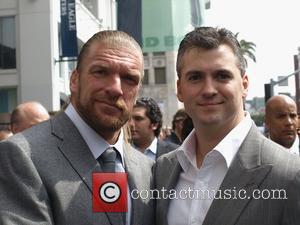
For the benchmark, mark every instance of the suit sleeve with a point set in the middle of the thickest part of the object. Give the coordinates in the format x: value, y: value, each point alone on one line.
x: 291, y: 214
x: 23, y: 197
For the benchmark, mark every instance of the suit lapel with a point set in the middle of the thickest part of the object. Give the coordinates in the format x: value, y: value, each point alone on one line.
x: 173, y: 170
x: 245, y: 173
x: 135, y: 181
x: 78, y: 154
x: 159, y: 148
x: 75, y: 149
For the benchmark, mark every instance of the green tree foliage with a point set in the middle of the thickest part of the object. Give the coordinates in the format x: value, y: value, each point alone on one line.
x: 258, y: 119
x: 248, y: 49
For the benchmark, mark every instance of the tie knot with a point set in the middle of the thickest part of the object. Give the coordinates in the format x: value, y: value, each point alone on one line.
x: 108, y: 160
x: 109, y: 155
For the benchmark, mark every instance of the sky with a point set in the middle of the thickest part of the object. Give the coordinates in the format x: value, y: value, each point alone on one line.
x: 273, y: 25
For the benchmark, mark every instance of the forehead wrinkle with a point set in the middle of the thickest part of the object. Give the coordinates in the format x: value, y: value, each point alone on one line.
x: 114, y: 63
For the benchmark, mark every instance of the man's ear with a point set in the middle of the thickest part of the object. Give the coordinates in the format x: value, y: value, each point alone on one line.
x: 245, y: 83
x: 179, y: 93
x: 266, y: 121
x: 154, y: 126
x: 13, y: 128
x: 74, y: 81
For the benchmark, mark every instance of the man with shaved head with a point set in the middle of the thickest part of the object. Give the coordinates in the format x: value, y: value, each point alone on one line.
x: 281, y: 121
x: 26, y: 115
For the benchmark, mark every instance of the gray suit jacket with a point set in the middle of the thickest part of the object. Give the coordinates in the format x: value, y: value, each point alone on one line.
x: 46, y: 178
x: 259, y: 164
x: 164, y: 147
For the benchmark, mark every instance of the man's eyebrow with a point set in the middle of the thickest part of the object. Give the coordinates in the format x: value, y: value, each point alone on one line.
x: 199, y: 72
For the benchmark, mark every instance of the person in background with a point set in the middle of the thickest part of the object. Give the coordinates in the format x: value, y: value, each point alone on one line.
x: 225, y: 154
x: 26, y: 115
x: 281, y: 121
x: 164, y: 133
x: 46, y: 171
x: 187, y: 127
x: 298, y: 126
x: 177, y: 123
x: 145, y: 126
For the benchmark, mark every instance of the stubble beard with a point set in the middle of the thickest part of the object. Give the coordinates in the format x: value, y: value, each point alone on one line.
x: 104, y: 123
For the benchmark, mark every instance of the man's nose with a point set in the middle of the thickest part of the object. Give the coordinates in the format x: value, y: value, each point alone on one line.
x: 115, y: 85
x: 289, y: 120
x: 131, y: 123
x: 208, y: 87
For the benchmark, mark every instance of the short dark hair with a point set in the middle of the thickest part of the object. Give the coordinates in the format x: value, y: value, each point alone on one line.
x: 114, y: 37
x: 152, y: 112
x: 210, y: 38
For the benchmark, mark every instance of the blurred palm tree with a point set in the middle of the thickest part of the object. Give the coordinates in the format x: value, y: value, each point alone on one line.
x: 248, y: 49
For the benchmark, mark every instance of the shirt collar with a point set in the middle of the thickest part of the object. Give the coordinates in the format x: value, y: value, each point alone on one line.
x: 95, y: 142
x: 295, y: 147
x: 153, y: 146
x: 186, y: 152
x: 227, y: 147
x: 231, y: 143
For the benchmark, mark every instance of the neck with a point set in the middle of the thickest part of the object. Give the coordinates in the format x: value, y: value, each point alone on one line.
x: 110, y: 137
x: 209, y: 136
x: 143, y: 145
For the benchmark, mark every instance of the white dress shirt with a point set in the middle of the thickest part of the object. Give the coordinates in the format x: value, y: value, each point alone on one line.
x: 151, y: 150
x: 207, y: 178
x: 98, y: 145
x: 295, y: 147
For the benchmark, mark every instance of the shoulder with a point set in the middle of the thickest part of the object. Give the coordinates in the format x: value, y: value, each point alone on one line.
x: 172, y: 138
x: 167, y: 159
x: 284, y: 164
x: 166, y: 144
x: 164, y: 147
x: 24, y: 140
x: 165, y: 166
x: 137, y: 157
x: 38, y: 142
x: 272, y: 153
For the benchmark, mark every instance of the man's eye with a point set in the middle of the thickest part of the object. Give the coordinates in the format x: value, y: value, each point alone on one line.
x: 193, y: 77
x: 138, y: 118
x: 98, y: 72
x: 223, y: 76
x: 131, y: 79
x: 281, y: 116
x: 293, y: 116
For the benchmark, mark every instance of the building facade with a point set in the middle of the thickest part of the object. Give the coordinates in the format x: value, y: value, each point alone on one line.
x: 31, y: 66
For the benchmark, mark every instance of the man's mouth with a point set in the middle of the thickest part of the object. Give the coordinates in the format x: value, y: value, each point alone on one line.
x: 210, y: 103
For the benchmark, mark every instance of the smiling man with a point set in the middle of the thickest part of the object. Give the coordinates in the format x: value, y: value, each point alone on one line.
x: 46, y: 171
x: 225, y: 153
x: 281, y: 122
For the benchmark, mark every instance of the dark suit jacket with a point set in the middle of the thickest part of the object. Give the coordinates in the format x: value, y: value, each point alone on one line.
x: 46, y: 178
x: 172, y: 138
x: 164, y: 147
x: 259, y: 164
